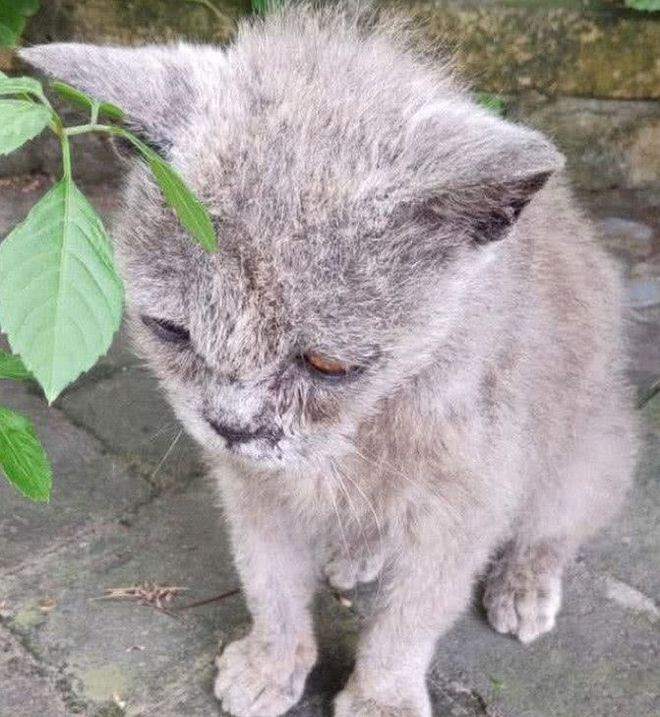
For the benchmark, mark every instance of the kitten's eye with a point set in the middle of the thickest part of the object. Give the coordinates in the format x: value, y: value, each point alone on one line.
x: 326, y: 366
x: 167, y: 330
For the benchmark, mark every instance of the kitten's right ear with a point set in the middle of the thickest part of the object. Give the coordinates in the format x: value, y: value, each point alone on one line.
x: 478, y: 170
x: 155, y: 84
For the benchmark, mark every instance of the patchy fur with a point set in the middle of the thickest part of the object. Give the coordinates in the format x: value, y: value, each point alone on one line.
x: 358, y: 192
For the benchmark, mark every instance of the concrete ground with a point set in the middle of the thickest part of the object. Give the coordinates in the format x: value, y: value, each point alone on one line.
x: 130, y: 505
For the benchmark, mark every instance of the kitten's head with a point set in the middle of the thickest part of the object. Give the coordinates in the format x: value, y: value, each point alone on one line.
x: 356, y: 193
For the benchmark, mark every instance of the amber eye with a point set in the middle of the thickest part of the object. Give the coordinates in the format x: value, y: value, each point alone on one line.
x: 326, y: 366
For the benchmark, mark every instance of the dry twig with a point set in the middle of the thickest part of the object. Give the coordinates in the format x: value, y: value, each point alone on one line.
x: 148, y: 594
x: 160, y: 597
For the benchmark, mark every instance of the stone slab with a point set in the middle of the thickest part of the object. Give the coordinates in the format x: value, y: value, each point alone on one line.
x: 26, y: 691
x: 114, y: 652
x: 88, y: 485
x: 127, y: 411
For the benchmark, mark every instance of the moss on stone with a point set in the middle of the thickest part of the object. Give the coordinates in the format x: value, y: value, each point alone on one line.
x: 134, y: 21
x: 555, y: 50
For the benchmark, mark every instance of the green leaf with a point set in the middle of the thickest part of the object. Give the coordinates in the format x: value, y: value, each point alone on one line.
x: 645, y: 5
x: 13, y: 14
x: 11, y: 366
x: 22, y: 85
x: 111, y: 111
x: 20, y: 121
x: 73, y: 95
x: 60, y: 295
x: 191, y: 212
x: 76, y: 97
x: 22, y: 456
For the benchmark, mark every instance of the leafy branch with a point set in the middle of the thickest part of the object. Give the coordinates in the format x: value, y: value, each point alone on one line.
x: 60, y: 294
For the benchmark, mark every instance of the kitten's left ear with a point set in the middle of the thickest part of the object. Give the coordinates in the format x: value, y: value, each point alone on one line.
x: 484, y: 172
x: 156, y: 84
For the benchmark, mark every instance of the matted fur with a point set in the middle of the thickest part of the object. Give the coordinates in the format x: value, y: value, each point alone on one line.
x: 369, y: 210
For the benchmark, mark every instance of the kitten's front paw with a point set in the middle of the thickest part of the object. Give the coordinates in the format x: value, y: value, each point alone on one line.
x: 352, y: 702
x: 255, y: 681
x: 344, y: 574
x: 522, y: 602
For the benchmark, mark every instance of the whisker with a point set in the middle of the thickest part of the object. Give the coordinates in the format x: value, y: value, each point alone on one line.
x: 356, y: 515
x: 341, y: 527
x: 377, y: 523
x: 166, y: 455
x: 170, y: 425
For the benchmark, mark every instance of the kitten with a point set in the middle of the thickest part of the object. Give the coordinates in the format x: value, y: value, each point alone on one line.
x: 405, y: 359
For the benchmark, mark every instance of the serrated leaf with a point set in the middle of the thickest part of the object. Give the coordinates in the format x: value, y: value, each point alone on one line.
x: 191, y: 212
x: 22, y: 457
x: 60, y: 294
x: 11, y: 366
x: 76, y: 97
x: 20, y: 121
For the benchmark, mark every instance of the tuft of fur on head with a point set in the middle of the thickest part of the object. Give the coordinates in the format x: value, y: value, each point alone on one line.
x: 357, y: 191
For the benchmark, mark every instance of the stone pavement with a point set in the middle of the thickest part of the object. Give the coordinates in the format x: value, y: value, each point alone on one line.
x: 130, y: 504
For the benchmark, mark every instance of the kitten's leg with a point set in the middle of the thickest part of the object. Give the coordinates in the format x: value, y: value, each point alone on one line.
x: 421, y: 595
x: 263, y: 675
x: 523, y: 588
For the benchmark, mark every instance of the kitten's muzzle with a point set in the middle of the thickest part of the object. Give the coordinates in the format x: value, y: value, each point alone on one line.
x: 234, y: 435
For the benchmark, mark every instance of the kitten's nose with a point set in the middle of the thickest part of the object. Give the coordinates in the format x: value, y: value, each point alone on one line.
x: 231, y: 434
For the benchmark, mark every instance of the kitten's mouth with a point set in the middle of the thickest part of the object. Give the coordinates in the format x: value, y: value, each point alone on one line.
x: 237, y: 436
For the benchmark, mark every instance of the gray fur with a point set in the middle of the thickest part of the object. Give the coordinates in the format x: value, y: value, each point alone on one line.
x: 366, y: 208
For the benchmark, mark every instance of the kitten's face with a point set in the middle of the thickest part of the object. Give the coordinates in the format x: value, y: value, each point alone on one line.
x: 277, y: 346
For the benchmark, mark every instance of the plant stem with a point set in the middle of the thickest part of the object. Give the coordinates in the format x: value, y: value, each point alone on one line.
x: 93, y: 127
x: 84, y: 128
x: 111, y: 129
x: 95, y: 113
x: 66, y: 155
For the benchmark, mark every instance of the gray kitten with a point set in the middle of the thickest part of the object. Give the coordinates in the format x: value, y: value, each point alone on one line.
x: 405, y: 361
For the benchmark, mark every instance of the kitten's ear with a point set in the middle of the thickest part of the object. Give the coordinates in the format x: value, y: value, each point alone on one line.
x: 487, y: 172
x: 487, y: 211
x: 155, y: 85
